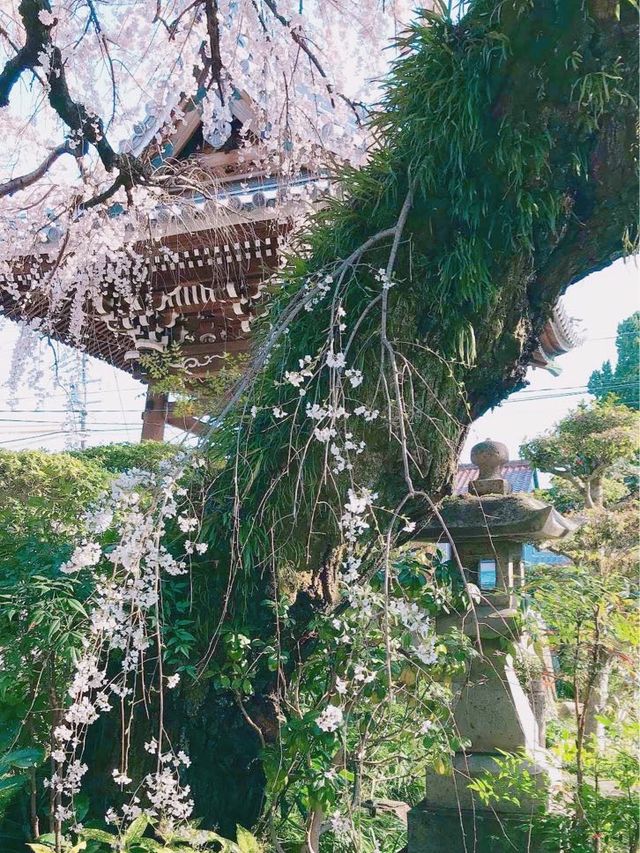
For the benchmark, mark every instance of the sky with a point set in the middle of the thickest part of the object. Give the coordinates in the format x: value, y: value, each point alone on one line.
x: 115, y: 401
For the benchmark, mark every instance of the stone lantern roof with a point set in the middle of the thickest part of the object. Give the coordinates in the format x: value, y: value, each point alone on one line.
x: 490, y: 511
x: 519, y: 518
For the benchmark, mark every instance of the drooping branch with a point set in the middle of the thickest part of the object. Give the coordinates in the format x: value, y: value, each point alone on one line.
x: 104, y: 46
x: 24, y: 181
x: 100, y: 198
x: 303, y: 44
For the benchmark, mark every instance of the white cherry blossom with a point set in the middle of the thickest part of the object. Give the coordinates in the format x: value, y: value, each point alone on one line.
x: 330, y: 719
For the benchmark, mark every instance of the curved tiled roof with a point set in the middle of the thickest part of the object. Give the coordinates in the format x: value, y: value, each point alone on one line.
x: 226, y: 246
x: 560, y: 334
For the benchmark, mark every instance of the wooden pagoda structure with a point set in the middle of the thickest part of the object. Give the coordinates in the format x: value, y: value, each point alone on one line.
x: 206, y: 272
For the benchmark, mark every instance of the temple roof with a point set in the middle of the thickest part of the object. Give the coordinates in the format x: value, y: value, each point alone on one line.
x: 206, y: 268
x: 560, y: 334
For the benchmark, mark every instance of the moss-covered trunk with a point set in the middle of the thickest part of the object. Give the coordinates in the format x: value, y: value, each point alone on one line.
x: 510, y: 136
x: 505, y: 172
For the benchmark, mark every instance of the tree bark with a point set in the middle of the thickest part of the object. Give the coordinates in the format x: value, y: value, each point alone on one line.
x: 598, y: 700
x: 445, y: 394
x: 271, y: 494
x: 596, y: 492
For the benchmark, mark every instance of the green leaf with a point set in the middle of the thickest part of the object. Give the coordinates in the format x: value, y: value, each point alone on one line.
x: 247, y: 842
x: 30, y: 756
x: 100, y: 835
x: 81, y: 805
x: 137, y: 829
x: 74, y: 604
x: 40, y: 848
x: 11, y: 783
x: 152, y: 845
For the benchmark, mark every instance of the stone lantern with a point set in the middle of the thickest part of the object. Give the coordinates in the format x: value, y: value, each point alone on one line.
x: 488, y: 528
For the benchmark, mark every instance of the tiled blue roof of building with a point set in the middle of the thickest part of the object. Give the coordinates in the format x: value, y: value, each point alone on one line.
x: 517, y: 472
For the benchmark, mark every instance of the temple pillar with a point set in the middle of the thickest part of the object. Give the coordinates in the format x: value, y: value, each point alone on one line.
x: 154, y: 417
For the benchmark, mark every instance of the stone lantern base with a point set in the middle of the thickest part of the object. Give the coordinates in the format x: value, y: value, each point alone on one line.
x: 493, y: 712
x: 469, y: 831
x: 435, y: 826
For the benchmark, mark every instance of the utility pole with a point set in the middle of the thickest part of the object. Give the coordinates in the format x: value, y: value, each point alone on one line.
x: 82, y: 414
x: 78, y: 399
x: 154, y: 417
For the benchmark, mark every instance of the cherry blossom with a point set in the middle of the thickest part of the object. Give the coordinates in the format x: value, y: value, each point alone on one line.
x: 330, y: 719
x: 288, y: 84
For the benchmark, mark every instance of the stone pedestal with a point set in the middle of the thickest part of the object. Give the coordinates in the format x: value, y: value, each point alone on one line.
x: 493, y: 711
x: 495, y: 715
x: 446, y: 830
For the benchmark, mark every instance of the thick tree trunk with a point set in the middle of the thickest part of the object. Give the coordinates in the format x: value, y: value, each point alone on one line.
x: 441, y: 394
x: 596, y: 492
x: 262, y: 515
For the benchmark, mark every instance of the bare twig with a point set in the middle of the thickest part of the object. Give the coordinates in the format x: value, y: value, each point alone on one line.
x: 248, y: 719
x: 303, y: 44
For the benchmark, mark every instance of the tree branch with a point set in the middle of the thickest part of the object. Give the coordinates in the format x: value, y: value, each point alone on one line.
x: 24, y: 181
x: 213, y: 31
x: 38, y: 35
x: 103, y: 196
x: 86, y: 127
x: 75, y: 115
x: 93, y: 16
x: 303, y: 44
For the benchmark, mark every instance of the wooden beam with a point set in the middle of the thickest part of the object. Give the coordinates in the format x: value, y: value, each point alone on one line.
x: 188, y: 423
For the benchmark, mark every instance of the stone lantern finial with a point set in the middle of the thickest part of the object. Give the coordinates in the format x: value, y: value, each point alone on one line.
x: 489, y: 456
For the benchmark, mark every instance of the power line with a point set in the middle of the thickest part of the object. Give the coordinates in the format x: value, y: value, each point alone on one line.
x: 533, y: 399
x: 535, y: 394
x: 57, y: 395
x: 66, y: 411
x: 51, y: 433
x: 34, y: 435
x: 34, y: 419
x: 573, y: 387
